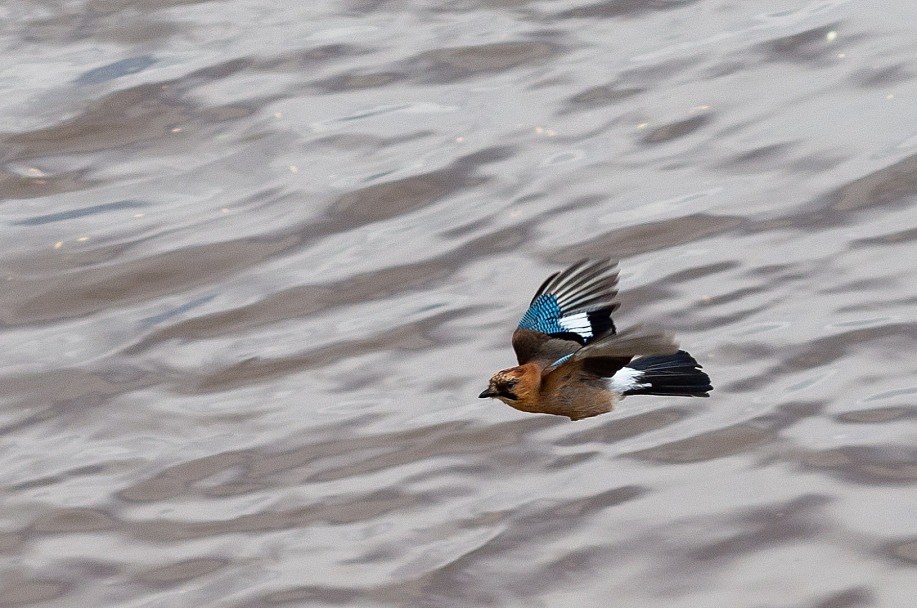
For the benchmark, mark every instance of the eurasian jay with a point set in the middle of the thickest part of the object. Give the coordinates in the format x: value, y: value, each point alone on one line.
x: 573, y: 363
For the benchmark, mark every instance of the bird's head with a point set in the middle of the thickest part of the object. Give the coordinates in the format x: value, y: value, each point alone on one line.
x: 508, y: 385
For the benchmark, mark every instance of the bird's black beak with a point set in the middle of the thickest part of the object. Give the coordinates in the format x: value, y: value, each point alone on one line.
x: 487, y: 393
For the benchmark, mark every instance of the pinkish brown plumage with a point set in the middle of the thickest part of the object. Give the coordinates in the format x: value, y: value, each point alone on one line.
x: 572, y: 361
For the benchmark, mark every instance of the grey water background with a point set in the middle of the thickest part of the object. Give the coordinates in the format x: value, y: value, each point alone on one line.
x: 260, y: 257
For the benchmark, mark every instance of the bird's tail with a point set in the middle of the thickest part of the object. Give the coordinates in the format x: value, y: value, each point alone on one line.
x: 676, y: 374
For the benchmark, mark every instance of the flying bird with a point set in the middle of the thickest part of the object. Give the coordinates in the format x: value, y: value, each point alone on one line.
x: 572, y: 361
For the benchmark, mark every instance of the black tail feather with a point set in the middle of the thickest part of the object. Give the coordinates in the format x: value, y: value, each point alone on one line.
x: 677, y: 374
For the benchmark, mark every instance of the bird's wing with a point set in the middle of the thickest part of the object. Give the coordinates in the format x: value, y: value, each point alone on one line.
x: 606, y: 356
x: 573, y: 305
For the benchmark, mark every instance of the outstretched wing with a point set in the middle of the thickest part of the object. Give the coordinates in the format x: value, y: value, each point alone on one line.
x: 573, y: 305
x: 605, y: 357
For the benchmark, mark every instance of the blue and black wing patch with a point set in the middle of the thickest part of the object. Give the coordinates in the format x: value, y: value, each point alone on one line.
x: 576, y: 303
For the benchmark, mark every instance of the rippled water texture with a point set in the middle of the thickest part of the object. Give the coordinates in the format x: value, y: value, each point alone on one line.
x: 260, y: 257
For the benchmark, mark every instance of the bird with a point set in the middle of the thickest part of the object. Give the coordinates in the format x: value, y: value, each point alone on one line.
x: 574, y: 363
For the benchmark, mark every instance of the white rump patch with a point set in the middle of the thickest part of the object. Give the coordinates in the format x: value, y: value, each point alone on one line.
x: 578, y: 324
x: 627, y: 379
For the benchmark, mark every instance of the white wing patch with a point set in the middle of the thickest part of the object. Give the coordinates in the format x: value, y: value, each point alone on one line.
x: 578, y: 324
x: 627, y: 379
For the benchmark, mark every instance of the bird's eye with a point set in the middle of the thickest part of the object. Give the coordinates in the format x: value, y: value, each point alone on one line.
x: 506, y: 387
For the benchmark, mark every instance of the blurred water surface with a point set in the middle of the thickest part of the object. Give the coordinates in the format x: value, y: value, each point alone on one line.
x: 260, y: 257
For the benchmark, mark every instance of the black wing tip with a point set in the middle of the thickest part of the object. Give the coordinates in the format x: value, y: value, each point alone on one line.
x: 592, y: 267
x: 587, y: 287
x: 610, y: 261
x: 544, y: 287
x: 583, y: 286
